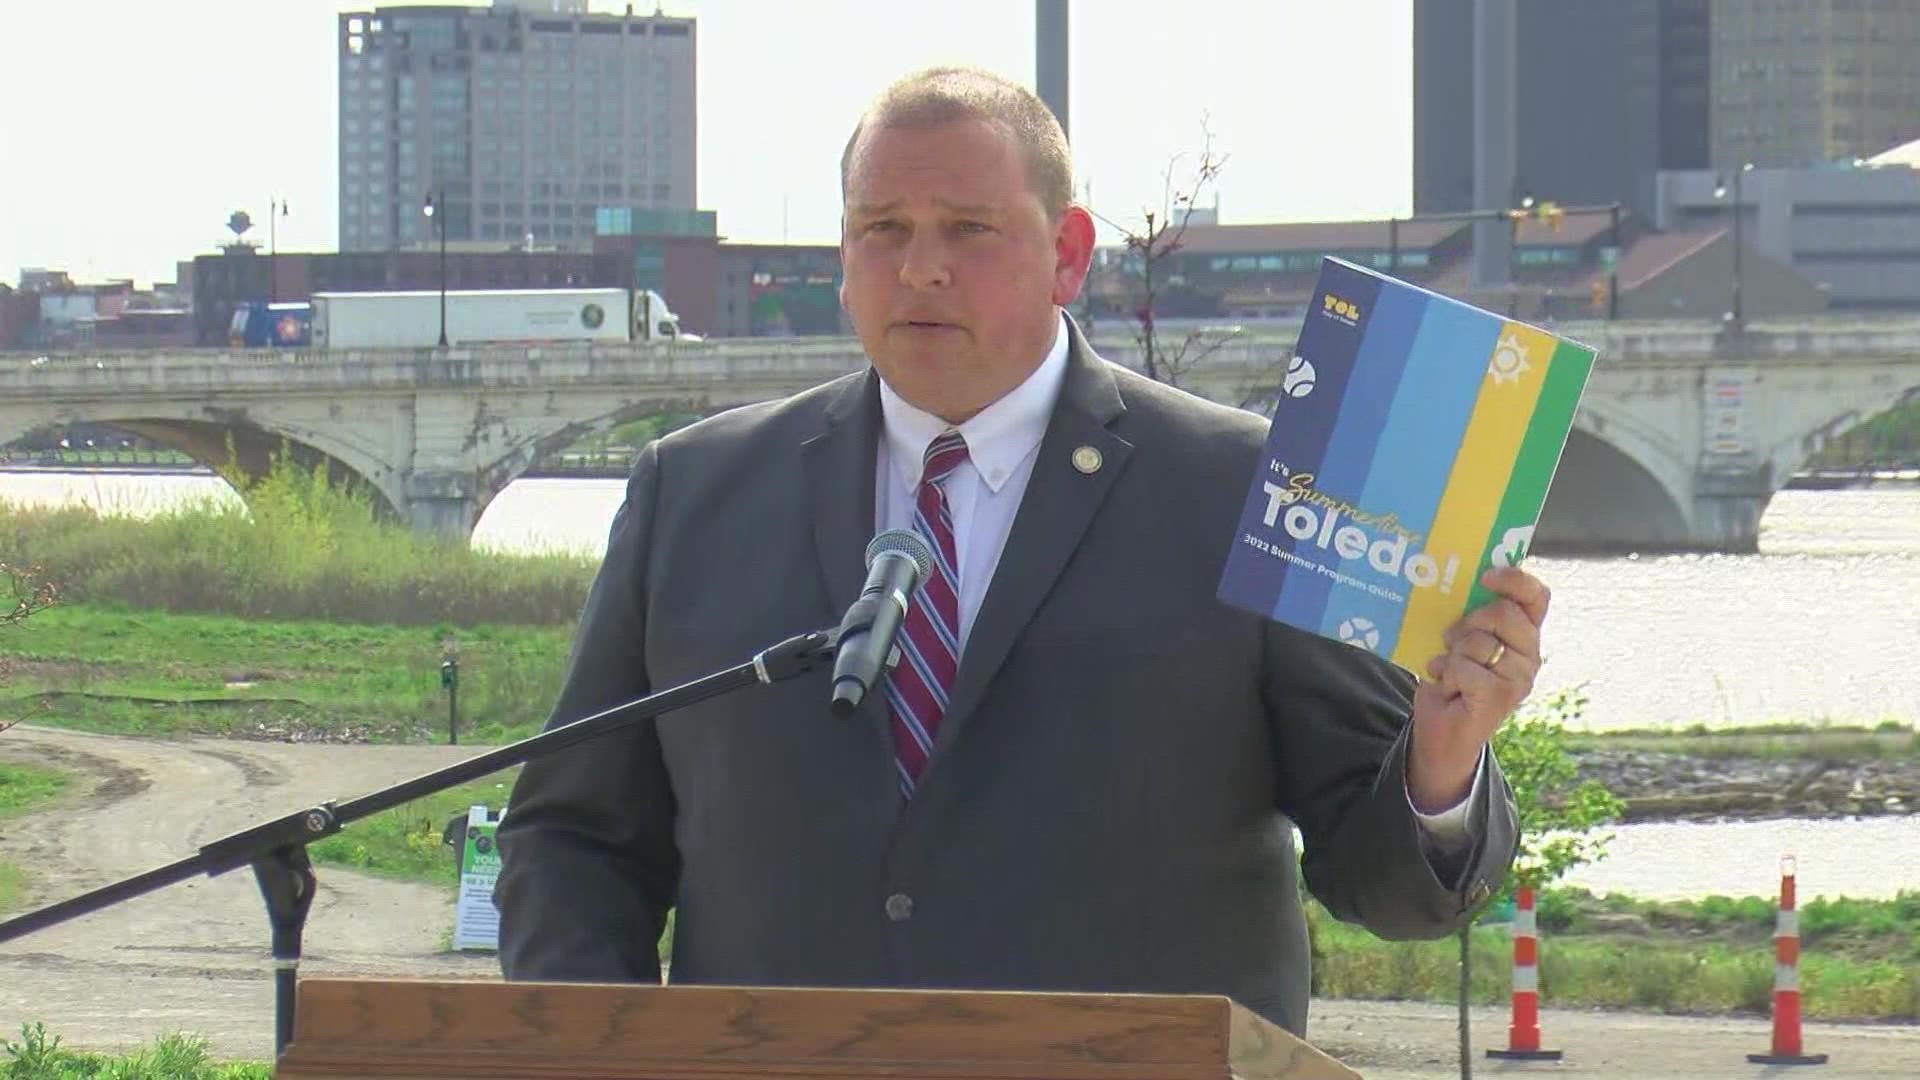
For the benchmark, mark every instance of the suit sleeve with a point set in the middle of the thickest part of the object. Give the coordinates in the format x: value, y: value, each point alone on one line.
x: 588, y: 864
x: 1341, y: 718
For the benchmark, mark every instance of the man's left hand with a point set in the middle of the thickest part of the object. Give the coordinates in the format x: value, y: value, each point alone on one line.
x: 1493, y: 654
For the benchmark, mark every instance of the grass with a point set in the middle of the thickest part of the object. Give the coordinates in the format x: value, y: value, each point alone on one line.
x: 23, y: 787
x: 39, y: 1056
x: 1871, y: 926
x: 404, y: 843
x: 301, y: 547
x: 119, y: 671
x: 1661, y: 976
x: 1861, y: 958
x: 303, y: 613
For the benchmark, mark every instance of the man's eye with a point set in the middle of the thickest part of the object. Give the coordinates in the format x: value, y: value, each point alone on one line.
x: 972, y: 226
x: 882, y: 226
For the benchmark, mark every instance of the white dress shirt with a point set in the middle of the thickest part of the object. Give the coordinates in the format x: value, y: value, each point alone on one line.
x: 984, y: 493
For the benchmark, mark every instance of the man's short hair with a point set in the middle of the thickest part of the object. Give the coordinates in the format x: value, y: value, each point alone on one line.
x: 945, y: 95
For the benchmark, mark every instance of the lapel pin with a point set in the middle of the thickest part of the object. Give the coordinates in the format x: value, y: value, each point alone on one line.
x: 1087, y: 460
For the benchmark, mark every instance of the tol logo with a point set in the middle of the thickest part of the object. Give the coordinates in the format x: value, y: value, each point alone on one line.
x: 1345, y: 310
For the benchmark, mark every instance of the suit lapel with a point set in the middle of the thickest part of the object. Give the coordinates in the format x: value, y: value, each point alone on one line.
x: 1060, y: 502
x: 838, y: 464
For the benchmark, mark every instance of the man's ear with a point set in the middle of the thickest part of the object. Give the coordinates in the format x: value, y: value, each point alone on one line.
x: 1073, y: 239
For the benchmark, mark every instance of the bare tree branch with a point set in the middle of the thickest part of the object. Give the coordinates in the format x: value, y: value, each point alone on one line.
x: 1193, y: 351
x: 1161, y: 234
x: 1259, y: 388
x: 31, y: 593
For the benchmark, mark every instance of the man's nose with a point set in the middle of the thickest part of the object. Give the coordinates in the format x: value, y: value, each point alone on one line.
x: 924, y: 263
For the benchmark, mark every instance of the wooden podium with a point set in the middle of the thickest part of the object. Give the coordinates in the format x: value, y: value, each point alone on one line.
x: 359, y: 1028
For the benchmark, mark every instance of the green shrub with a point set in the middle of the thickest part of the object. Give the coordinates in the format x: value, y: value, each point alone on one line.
x: 302, y: 547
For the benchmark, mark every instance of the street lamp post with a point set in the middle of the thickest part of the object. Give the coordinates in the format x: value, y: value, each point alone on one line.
x: 276, y: 209
x: 1739, y: 211
x: 1613, y: 265
x: 437, y: 201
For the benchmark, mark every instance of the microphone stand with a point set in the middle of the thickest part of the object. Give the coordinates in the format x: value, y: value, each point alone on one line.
x: 277, y: 849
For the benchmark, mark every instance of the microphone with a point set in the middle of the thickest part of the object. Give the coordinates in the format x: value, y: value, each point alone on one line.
x: 897, y: 561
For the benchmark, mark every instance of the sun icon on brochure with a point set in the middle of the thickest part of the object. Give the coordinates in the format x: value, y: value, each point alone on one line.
x: 1509, y: 360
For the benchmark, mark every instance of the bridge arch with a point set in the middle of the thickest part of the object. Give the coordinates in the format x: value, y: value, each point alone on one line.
x: 1617, y: 488
x: 540, y: 445
x: 249, y: 446
x: 1791, y: 453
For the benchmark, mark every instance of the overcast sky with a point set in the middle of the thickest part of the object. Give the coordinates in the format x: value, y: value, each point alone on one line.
x: 133, y: 128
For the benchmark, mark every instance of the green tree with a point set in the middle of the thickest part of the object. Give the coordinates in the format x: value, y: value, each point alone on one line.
x: 1560, y: 821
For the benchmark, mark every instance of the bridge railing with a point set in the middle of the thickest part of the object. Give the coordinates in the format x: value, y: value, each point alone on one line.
x: 796, y: 362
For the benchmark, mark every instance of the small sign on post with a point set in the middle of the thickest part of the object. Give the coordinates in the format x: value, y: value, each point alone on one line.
x: 476, y: 925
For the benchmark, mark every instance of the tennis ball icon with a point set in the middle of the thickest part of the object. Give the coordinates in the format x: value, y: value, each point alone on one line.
x: 1299, y: 380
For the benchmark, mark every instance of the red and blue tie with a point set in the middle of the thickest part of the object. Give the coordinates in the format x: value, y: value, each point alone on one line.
x: 919, y: 685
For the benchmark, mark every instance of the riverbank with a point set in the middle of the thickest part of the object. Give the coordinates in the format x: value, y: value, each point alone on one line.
x: 1757, y: 773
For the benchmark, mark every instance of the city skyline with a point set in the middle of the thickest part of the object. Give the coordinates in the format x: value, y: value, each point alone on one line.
x: 149, y: 149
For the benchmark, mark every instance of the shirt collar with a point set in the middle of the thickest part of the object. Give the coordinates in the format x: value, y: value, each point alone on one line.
x: 998, y: 437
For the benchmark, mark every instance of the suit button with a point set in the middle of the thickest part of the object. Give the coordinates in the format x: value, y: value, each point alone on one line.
x: 899, y: 907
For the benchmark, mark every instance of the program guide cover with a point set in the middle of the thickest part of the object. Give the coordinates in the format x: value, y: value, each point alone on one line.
x: 1411, y: 449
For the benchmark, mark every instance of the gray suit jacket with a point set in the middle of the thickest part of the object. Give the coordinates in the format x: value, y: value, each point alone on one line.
x: 1109, y: 800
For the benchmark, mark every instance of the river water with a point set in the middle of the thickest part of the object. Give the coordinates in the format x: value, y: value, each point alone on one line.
x: 1822, y: 625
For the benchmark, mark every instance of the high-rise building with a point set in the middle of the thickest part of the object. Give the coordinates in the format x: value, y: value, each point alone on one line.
x: 1799, y: 82
x: 523, y: 121
x: 1605, y: 95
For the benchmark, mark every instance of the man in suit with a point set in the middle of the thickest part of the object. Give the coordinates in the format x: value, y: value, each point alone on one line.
x: 1083, y: 773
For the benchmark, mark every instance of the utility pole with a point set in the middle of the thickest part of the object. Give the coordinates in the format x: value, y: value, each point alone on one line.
x: 1050, y: 56
x: 1494, y: 127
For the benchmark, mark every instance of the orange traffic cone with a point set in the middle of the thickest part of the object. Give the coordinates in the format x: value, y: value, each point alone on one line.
x: 1786, y: 981
x: 1523, y: 1036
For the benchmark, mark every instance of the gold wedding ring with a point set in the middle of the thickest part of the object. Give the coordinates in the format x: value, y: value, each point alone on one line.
x: 1499, y: 650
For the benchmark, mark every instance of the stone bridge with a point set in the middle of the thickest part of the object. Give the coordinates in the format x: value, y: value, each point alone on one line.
x: 1685, y: 432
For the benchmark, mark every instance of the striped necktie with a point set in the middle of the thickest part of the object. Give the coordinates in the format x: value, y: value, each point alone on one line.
x: 919, y: 685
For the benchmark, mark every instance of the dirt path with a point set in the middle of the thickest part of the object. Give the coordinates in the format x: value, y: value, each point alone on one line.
x: 193, y: 957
